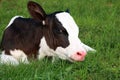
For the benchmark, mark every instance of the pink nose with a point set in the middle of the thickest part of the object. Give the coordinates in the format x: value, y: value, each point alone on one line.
x: 79, y: 56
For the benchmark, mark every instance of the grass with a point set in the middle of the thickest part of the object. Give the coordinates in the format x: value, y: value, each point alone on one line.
x: 99, y: 24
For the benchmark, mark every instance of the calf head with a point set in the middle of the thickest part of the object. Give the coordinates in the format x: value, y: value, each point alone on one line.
x: 61, y: 34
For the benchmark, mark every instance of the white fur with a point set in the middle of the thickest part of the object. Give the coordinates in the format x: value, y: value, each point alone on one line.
x: 12, y: 20
x: 19, y: 55
x: 8, y: 59
x: 45, y: 50
x: 87, y: 48
x: 15, y: 58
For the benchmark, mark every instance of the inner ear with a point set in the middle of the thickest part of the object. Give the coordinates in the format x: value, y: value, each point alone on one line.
x: 36, y: 11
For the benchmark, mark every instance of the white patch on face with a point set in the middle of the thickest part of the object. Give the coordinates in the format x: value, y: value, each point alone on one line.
x: 75, y: 44
x: 19, y: 55
x: 8, y: 59
x: 12, y: 20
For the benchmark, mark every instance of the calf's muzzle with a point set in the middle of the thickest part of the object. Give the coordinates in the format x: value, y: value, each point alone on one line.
x: 78, y: 56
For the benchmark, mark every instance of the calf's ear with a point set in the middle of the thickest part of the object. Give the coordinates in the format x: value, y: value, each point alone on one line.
x: 36, y: 11
x: 67, y: 10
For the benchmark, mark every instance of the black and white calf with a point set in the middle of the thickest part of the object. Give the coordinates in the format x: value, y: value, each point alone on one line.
x: 42, y: 35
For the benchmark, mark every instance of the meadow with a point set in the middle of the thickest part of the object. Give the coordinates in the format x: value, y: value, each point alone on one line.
x: 99, y: 25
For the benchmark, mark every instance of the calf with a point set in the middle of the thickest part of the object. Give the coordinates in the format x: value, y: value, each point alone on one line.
x: 42, y: 35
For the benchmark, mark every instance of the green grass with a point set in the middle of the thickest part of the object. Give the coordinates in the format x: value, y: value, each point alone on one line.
x: 99, y: 24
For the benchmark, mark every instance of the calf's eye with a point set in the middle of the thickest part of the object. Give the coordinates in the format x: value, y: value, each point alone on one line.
x: 60, y: 31
x: 63, y: 32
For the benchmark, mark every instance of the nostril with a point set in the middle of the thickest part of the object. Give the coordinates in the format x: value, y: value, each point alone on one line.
x: 81, y: 53
x: 78, y: 53
x: 78, y: 56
